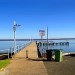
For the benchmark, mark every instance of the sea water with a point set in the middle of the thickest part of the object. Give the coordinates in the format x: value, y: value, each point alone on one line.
x: 6, y: 45
x: 64, y: 48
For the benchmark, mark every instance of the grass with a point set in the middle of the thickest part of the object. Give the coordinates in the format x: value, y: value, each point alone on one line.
x: 4, y: 63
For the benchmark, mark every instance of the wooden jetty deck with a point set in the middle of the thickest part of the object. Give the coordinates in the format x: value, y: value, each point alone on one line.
x: 31, y: 49
x: 20, y: 65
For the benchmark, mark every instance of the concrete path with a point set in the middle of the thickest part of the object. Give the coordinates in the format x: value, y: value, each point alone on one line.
x: 21, y: 66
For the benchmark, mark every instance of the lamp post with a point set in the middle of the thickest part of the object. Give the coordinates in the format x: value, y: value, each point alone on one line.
x: 14, y: 29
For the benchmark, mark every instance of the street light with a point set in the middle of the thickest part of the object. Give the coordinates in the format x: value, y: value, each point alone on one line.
x: 14, y: 29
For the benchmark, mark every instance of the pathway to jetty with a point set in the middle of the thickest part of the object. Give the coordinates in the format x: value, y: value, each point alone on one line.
x: 21, y: 66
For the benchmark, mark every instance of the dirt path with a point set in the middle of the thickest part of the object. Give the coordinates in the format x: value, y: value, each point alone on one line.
x: 21, y: 66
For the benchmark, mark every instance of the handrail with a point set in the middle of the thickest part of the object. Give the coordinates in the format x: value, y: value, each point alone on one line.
x: 10, y: 51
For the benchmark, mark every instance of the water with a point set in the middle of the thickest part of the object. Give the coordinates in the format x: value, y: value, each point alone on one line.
x: 5, y: 45
x: 71, y: 48
x: 65, y: 48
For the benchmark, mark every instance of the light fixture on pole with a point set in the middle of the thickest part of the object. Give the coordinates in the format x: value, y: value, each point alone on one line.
x: 14, y: 29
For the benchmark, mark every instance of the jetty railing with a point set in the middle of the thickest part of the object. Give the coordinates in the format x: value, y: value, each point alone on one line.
x: 10, y: 52
x: 53, y: 43
x: 42, y: 47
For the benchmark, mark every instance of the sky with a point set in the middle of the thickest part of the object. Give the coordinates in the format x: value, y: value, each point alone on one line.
x: 35, y: 15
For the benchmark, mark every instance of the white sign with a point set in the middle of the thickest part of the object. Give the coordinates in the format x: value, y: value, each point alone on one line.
x: 42, y: 32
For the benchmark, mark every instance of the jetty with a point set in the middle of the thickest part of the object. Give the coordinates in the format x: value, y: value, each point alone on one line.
x: 20, y: 65
x: 53, y: 43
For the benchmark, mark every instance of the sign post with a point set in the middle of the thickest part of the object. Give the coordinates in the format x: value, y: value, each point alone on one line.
x: 42, y: 33
x: 47, y: 38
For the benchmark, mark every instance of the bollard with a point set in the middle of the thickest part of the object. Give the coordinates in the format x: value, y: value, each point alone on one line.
x: 26, y: 53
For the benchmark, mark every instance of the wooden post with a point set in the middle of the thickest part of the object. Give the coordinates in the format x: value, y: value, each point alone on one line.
x: 26, y: 53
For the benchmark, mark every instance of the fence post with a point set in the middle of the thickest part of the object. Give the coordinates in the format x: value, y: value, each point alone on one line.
x: 11, y: 52
x: 17, y: 48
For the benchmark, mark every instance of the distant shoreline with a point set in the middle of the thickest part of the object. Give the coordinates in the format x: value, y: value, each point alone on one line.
x: 37, y: 39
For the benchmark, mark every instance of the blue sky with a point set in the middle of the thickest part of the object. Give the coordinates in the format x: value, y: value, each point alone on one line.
x: 35, y: 15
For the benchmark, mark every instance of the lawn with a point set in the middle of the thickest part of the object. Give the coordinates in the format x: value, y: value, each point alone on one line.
x: 4, y: 63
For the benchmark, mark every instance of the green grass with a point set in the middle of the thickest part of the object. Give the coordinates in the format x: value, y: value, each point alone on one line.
x: 4, y: 63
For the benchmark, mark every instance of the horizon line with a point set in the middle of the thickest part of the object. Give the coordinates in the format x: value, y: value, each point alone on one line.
x: 38, y: 39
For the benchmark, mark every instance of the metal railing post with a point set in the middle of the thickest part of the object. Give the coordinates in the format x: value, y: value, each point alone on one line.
x: 11, y: 52
x: 17, y: 48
